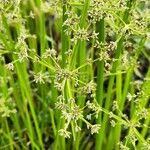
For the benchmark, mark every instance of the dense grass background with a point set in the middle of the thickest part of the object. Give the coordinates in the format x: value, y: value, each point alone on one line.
x: 74, y: 74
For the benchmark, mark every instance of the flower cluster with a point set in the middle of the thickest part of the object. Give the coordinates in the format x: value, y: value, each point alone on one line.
x: 52, y: 7
x: 94, y: 107
x: 65, y: 133
x: 142, y: 113
x: 21, y: 45
x: 10, y: 66
x: 130, y: 97
x: 49, y: 53
x: 81, y: 34
x: 7, y: 107
x: 71, y: 112
x: 71, y: 22
x: 106, y: 54
x: 123, y: 147
x: 132, y: 139
x: 94, y: 128
x: 96, y: 13
x: 89, y: 88
x: 41, y: 77
x: 62, y: 75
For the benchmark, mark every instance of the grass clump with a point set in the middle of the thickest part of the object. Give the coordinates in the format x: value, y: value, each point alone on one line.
x: 74, y: 74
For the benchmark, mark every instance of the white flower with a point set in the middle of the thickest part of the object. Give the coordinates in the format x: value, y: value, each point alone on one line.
x: 65, y: 133
x: 88, y: 117
x: 95, y: 128
x: 10, y: 66
x: 50, y: 53
x: 41, y: 77
x: 23, y: 55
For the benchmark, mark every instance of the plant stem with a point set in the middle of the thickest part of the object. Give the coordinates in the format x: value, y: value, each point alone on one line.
x: 100, y: 79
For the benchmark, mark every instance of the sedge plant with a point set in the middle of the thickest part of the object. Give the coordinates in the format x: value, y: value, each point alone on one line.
x: 74, y: 74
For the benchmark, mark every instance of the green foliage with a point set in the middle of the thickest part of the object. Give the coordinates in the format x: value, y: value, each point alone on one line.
x: 74, y: 74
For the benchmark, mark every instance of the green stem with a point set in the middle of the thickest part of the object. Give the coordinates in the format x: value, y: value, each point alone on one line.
x: 100, y: 79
